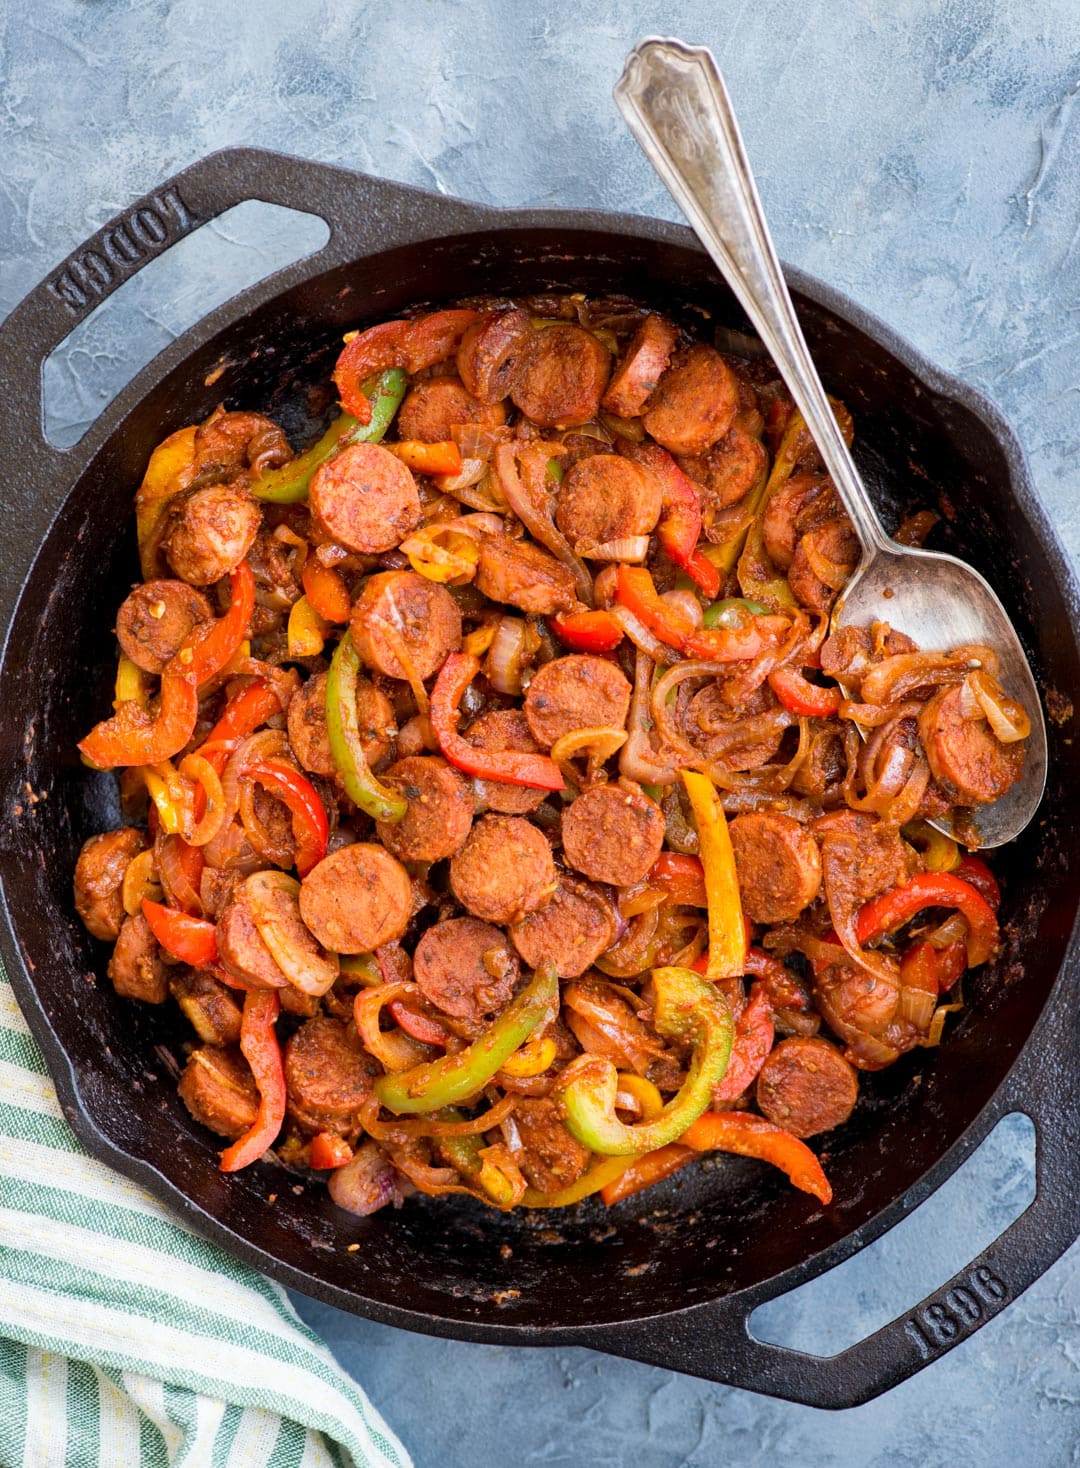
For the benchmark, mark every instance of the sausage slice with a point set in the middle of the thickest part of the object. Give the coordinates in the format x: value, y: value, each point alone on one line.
x: 965, y: 756
x: 728, y: 470
x: 606, y: 498
x: 552, y: 1159
x: 561, y: 376
x: 576, y: 926
x: 778, y: 864
x: 635, y: 378
x: 209, y: 532
x: 434, y: 407
x: 806, y: 1086
x: 522, y: 575
x: 504, y: 870
x: 489, y: 353
x: 495, y: 731
x: 399, y: 611
x: 136, y: 967
x: 466, y: 968
x: 307, y: 724
x: 695, y: 402
x: 357, y: 898
x: 154, y: 620
x: 440, y: 810
x: 328, y: 1074
x: 99, y: 877
x: 613, y: 834
x: 575, y: 692
x: 365, y: 499
x: 241, y: 949
x: 217, y: 1087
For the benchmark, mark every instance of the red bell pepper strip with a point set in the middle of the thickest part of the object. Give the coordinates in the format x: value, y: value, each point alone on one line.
x: 327, y: 1150
x: 642, y: 1172
x: 800, y: 696
x: 210, y: 654
x: 588, y: 631
x: 511, y: 767
x: 974, y: 870
x: 259, y: 1044
x: 310, y: 826
x: 930, y: 969
x: 636, y: 592
x: 753, y: 1136
x: 326, y: 591
x: 134, y: 737
x: 190, y: 939
x: 411, y: 345
x: 750, y: 1047
x: 245, y: 713
x: 680, y: 515
x: 931, y: 889
x: 681, y: 877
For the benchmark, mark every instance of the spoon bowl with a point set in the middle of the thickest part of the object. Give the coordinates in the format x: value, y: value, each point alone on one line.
x: 676, y: 105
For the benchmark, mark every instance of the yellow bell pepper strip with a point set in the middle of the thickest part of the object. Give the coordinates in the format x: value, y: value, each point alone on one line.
x: 727, y: 928
x: 455, y: 1078
x: 602, y: 1172
x: 289, y: 484
x: 343, y: 729
x: 168, y: 795
x: 260, y: 1048
x: 753, y: 1136
x: 533, y: 1059
x: 326, y: 591
x: 939, y: 852
x: 474, y: 1162
x: 643, y: 1092
x: 642, y: 1172
x: 307, y: 630
x: 443, y: 554
x: 686, y: 1007
x: 164, y: 478
x: 130, y: 684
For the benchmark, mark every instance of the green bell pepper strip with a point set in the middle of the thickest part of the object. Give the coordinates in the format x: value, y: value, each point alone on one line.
x: 343, y: 729
x: 289, y: 483
x: 732, y: 611
x: 454, y: 1078
x: 479, y: 1172
x: 686, y: 1007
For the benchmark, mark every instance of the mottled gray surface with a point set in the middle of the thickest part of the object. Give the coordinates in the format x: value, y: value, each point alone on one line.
x: 922, y: 155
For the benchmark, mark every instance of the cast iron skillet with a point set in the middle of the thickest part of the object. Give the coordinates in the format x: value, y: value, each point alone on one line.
x: 673, y: 1278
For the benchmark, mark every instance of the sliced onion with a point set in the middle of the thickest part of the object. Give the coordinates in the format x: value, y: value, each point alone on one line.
x: 306, y: 967
x: 643, y: 639
x: 396, y: 1050
x: 366, y: 1183
x: 401, y: 1129
x: 639, y: 759
x: 1008, y: 719
x: 631, y: 549
x: 686, y: 603
x: 140, y: 881
x: 506, y: 656
x: 953, y: 930
x: 900, y: 675
x: 174, y: 879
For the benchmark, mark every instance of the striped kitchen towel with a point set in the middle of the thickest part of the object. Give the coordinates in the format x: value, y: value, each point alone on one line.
x: 125, y: 1338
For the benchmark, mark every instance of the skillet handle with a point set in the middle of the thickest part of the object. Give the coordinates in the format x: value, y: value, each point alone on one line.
x: 714, y: 1340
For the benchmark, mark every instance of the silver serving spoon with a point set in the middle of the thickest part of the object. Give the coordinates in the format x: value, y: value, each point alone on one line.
x: 675, y: 102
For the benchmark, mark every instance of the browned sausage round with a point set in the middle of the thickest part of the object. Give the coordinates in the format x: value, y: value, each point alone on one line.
x: 440, y: 809
x: 136, y: 966
x: 780, y: 524
x: 434, y: 407
x: 824, y: 558
x: 504, y: 870
x: 883, y: 860
x: 695, y: 403
x: 400, y: 610
x: 605, y: 498
x: 211, y: 1008
x: 241, y: 949
x: 778, y: 865
x: 356, y: 899
x: 965, y: 756
x: 561, y: 376
x: 635, y: 378
x: 575, y: 692
x: 229, y: 441
x: 99, y: 876
x: 307, y: 724
x: 365, y: 499
x: 154, y: 620
x: 730, y: 469
x: 576, y: 926
x: 209, y: 532
x: 551, y: 1158
x: 328, y: 1075
x: 806, y: 1086
x: 522, y: 575
x: 613, y: 834
x: 495, y: 731
x: 465, y: 967
x: 489, y: 353
x: 217, y: 1087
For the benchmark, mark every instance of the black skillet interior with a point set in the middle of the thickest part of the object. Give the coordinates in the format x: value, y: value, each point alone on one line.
x: 448, y: 1265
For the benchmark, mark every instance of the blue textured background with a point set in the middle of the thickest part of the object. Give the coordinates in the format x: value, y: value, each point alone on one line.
x: 921, y: 155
